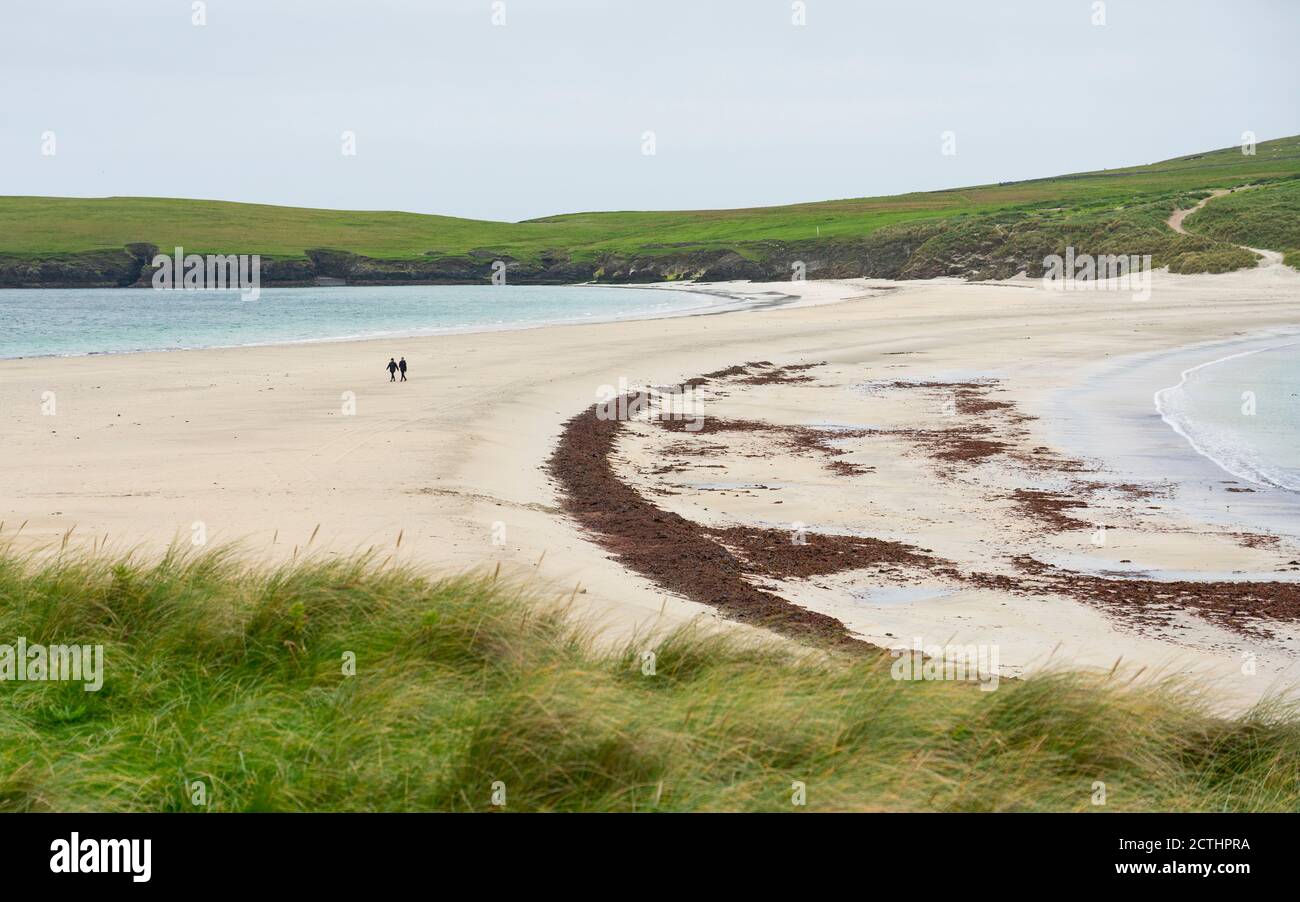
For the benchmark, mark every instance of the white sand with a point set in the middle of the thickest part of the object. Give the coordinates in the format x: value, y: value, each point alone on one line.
x: 254, y: 444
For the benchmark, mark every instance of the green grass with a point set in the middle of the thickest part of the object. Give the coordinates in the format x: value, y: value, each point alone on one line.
x: 1267, y: 218
x: 43, y: 227
x: 233, y: 676
x: 1216, y: 260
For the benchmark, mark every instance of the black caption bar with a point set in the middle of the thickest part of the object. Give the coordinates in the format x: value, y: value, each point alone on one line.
x: 334, y: 851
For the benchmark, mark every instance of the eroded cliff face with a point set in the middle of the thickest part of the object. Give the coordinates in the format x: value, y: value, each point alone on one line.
x: 107, y: 268
x: 883, y: 254
x: 113, y: 269
x: 973, y: 248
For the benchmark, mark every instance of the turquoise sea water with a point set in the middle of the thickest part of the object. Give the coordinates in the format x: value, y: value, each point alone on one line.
x: 60, y: 322
x: 1176, y: 420
x: 1242, y: 411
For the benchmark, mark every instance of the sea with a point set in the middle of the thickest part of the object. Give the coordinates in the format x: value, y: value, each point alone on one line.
x: 72, y: 322
x: 1242, y: 411
x: 1221, y: 420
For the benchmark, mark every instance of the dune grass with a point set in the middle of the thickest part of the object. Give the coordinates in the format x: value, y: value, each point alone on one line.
x: 1267, y: 217
x: 232, y: 675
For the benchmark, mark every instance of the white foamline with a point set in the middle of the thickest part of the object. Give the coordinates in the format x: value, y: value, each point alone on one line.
x: 1159, y: 399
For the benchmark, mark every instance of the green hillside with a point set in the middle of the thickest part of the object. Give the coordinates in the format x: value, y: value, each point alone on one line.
x: 977, y: 232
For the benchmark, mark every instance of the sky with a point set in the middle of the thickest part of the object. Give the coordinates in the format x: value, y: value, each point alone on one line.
x: 517, y: 109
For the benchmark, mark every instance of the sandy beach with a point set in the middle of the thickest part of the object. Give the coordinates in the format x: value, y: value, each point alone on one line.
x: 940, y: 402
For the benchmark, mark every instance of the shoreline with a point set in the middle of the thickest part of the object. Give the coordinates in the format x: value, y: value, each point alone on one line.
x: 738, y: 300
x: 1123, y: 397
x: 449, y: 470
x: 1175, y: 618
x: 1162, y: 396
x: 729, y: 300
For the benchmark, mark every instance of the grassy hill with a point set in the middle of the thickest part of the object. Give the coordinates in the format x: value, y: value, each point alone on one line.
x: 341, y: 685
x: 978, y: 232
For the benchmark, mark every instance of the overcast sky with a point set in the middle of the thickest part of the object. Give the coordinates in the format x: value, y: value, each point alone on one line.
x: 546, y: 113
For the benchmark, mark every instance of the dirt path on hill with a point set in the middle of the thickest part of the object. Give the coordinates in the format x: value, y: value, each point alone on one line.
x: 1175, y: 222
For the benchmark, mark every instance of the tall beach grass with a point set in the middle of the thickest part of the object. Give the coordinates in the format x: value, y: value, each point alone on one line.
x: 233, y: 678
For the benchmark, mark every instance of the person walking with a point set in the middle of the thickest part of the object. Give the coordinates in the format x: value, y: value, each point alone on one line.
x: 392, y: 370
x: 401, y: 366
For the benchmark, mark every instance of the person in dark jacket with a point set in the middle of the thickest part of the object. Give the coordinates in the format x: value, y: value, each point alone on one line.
x: 392, y: 370
x: 401, y: 365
